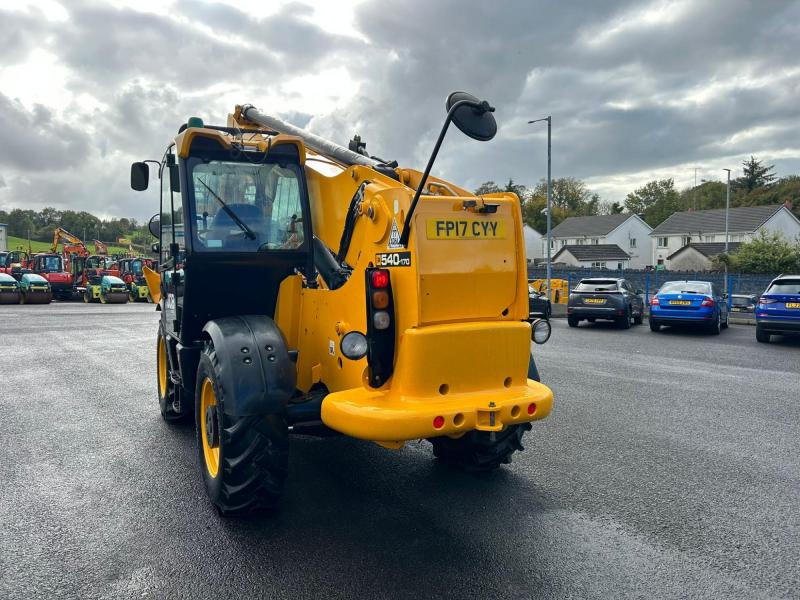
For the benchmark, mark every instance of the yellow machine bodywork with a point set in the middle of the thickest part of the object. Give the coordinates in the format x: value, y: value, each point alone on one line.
x: 460, y: 304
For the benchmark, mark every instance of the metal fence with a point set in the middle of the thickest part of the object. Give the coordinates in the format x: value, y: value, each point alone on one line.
x: 651, y: 281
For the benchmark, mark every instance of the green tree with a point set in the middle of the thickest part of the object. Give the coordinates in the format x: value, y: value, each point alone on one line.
x: 767, y: 253
x: 656, y: 200
x: 21, y: 223
x: 487, y: 187
x: 755, y: 175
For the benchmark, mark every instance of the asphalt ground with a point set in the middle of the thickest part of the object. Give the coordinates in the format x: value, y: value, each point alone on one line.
x: 668, y: 469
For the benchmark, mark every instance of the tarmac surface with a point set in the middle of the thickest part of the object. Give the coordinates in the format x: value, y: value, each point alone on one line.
x: 670, y: 468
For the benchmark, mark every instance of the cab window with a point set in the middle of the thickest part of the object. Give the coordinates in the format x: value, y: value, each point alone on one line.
x: 246, y: 207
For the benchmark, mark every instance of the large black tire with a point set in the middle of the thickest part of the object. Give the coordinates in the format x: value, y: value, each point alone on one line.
x: 475, y: 451
x: 573, y: 321
x: 169, y: 394
x: 762, y: 336
x: 253, y: 452
x: 624, y: 322
x: 654, y: 325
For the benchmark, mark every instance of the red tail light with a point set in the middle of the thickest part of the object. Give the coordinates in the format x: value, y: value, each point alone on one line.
x: 380, y: 278
x: 654, y: 301
x: 707, y: 302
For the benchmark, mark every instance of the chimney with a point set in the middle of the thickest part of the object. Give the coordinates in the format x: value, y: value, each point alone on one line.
x: 788, y: 204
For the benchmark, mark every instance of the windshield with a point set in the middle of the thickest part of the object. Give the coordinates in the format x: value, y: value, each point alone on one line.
x: 51, y: 264
x: 785, y: 286
x: 242, y: 206
x: 741, y: 300
x: 135, y: 267
x: 685, y: 287
x: 597, y: 285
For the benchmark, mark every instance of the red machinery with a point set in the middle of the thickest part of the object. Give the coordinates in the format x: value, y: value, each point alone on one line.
x: 51, y: 267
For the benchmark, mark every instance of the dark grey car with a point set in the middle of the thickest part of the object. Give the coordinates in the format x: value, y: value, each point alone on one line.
x: 604, y: 298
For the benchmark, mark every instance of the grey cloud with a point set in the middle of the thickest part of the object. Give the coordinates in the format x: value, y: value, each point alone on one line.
x: 19, y: 34
x: 33, y: 139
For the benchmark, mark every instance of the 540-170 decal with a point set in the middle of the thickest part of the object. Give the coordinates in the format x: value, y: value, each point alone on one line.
x: 393, y: 259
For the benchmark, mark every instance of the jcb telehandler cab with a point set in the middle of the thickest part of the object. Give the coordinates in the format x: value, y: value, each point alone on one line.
x: 309, y: 288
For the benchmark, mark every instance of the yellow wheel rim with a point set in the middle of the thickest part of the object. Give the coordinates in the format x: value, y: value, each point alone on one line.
x: 162, y: 367
x: 208, y: 399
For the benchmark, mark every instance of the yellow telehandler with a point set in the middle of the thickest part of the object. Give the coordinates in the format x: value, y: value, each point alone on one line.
x: 308, y: 288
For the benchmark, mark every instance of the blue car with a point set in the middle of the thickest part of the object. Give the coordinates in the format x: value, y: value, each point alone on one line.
x: 698, y: 303
x: 778, y: 308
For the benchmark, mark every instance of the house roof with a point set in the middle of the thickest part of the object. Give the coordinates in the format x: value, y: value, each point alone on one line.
x: 743, y: 219
x: 596, y: 225
x: 594, y: 252
x: 709, y: 249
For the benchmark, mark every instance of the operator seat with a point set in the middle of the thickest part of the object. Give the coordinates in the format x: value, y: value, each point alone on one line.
x: 226, y: 229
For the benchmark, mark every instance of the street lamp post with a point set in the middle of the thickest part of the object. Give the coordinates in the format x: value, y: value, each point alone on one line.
x: 549, y: 198
x: 727, y: 211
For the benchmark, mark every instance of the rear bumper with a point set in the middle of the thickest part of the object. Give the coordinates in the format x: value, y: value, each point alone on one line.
x: 682, y: 316
x: 375, y: 415
x: 473, y: 375
x: 598, y: 312
x: 778, y: 324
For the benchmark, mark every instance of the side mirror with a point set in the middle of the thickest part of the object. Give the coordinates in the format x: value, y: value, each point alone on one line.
x: 154, y: 226
x: 474, y: 118
x: 156, y: 248
x: 140, y: 176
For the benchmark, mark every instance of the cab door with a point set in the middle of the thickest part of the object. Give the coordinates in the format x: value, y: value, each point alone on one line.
x: 172, y: 247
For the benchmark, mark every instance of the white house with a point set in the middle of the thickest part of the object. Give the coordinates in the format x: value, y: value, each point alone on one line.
x: 3, y: 237
x: 707, y: 226
x: 594, y: 256
x: 626, y: 231
x: 534, y: 246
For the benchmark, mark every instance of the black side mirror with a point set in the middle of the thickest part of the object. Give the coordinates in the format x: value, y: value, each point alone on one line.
x: 474, y: 118
x: 154, y: 226
x: 140, y: 176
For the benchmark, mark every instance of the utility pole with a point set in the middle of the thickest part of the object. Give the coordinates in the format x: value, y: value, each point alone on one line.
x: 549, y: 198
x: 727, y: 211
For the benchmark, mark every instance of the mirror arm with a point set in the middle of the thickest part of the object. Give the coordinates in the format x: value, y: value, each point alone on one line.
x: 483, y: 107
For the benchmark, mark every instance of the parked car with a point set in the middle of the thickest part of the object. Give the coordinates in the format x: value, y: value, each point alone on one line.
x: 698, y: 303
x: 539, y: 306
x: 743, y: 303
x: 602, y: 298
x: 778, y: 308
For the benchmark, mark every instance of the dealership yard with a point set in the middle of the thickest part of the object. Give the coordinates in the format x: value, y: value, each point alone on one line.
x: 669, y: 468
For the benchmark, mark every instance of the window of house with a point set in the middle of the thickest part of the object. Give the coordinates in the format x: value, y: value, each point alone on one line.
x: 579, y: 242
x: 595, y: 241
x: 662, y: 242
x: 619, y: 266
x: 633, y: 242
x: 598, y: 265
x: 687, y: 239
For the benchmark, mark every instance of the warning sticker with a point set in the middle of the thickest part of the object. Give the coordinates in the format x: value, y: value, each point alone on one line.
x: 394, y: 237
x: 331, y: 348
x: 393, y: 259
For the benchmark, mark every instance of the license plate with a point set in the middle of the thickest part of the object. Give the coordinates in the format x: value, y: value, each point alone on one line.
x: 680, y: 302
x: 465, y: 229
x: 793, y: 305
x: 734, y: 309
x: 594, y: 301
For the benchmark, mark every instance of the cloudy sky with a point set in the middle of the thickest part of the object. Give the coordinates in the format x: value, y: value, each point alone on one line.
x: 637, y: 90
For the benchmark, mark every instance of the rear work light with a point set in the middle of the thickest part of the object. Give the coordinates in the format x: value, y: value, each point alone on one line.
x: 654, y: 301
x: 707, y: 302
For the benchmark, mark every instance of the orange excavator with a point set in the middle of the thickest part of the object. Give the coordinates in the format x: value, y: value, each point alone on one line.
x: 100, y: 248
